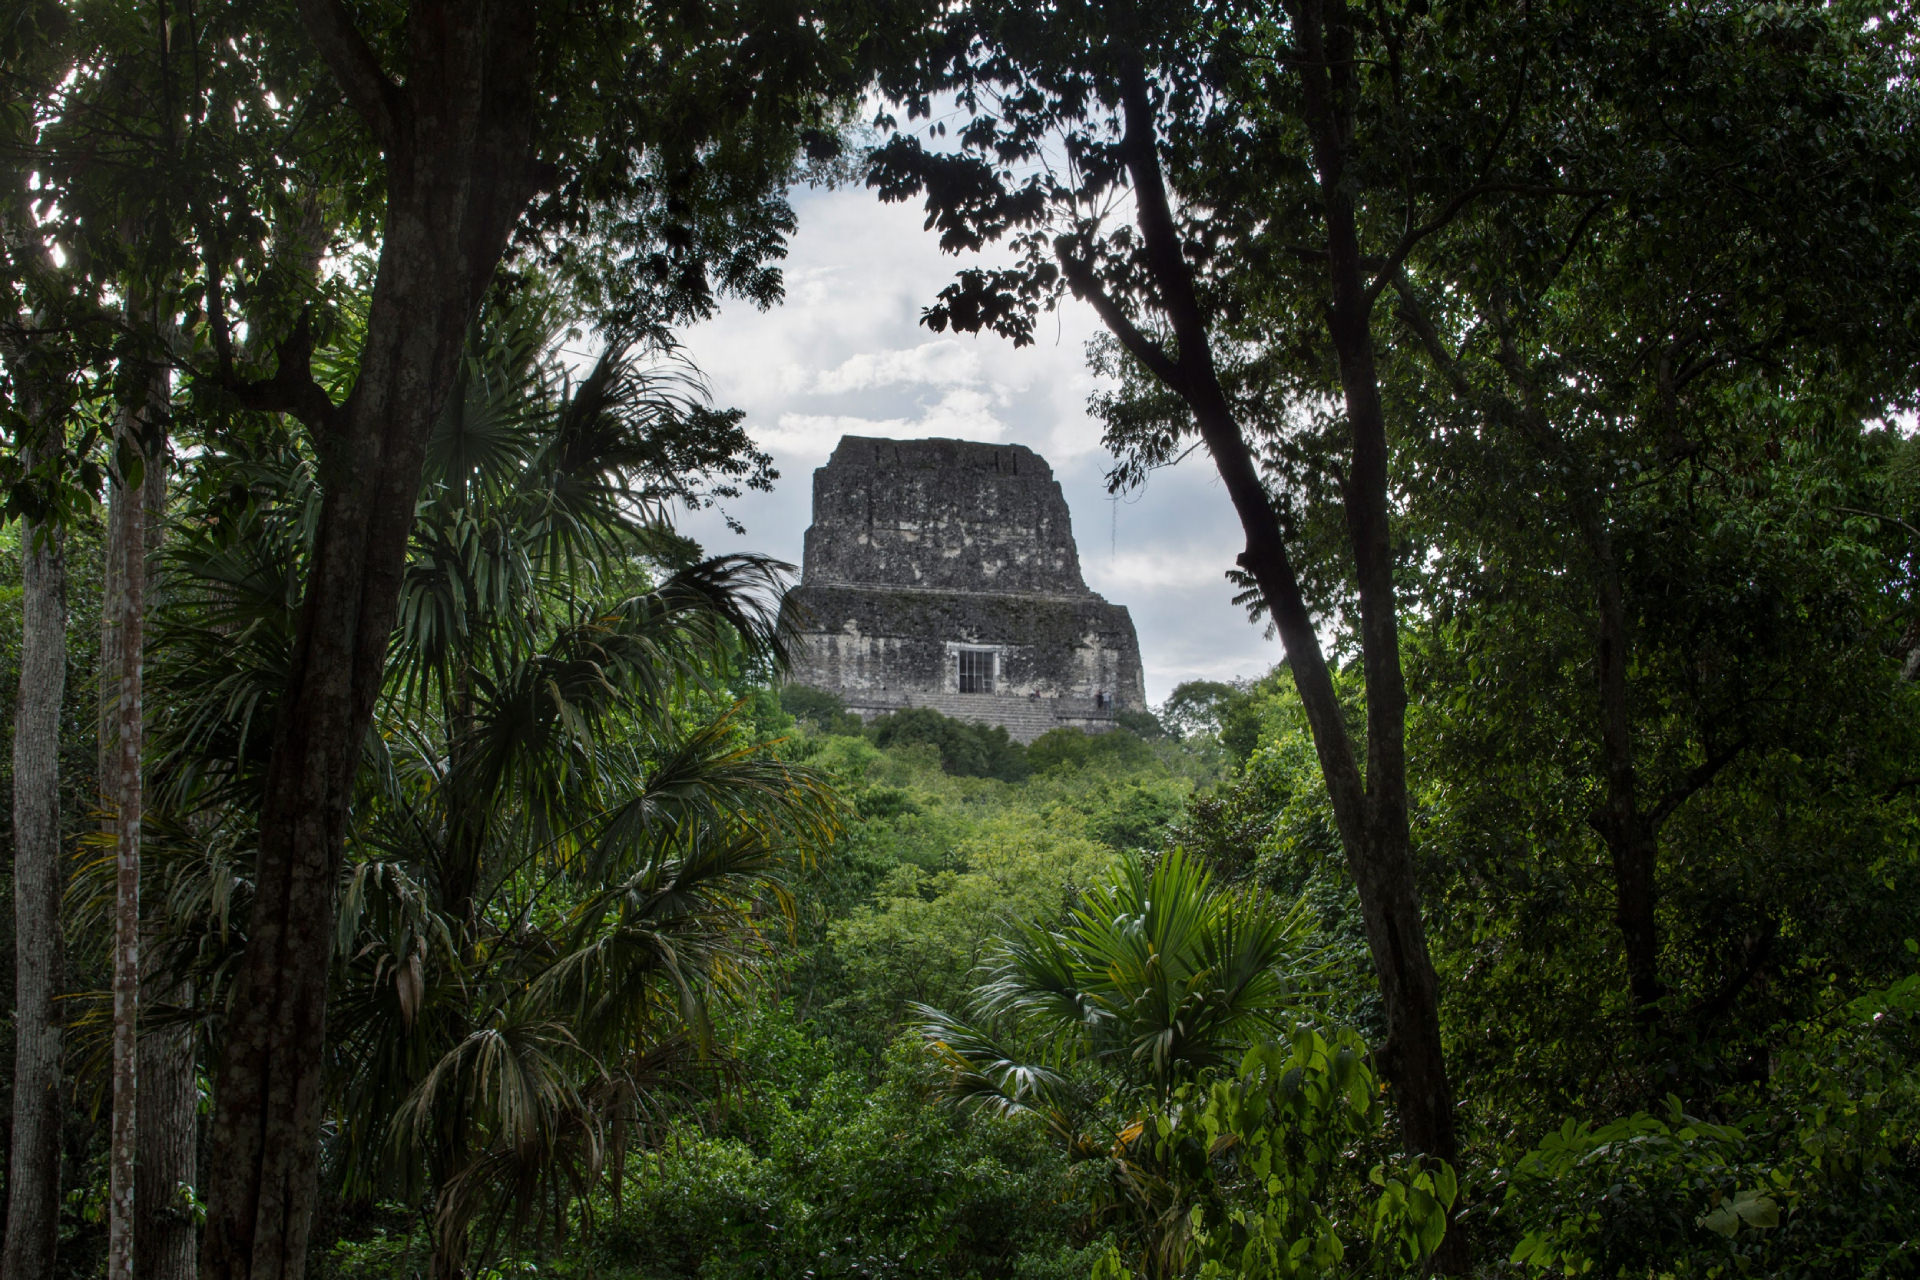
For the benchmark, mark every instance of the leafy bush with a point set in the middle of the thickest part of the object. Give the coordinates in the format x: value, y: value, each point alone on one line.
x: 819, y: 710
x: 1134, y: 814
x: 970, y: 750
x: 1141, y: 724
x: 1255, y: 1176
x: 1638, y: 1195
x: 928, y: 928
x: 829, y: 1179
x: 1075, y: 748
x: 1820, y: 1178
x: 1195, y: 706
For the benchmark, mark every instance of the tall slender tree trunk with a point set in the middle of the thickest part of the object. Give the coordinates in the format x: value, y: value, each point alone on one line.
x: 39, y: 869
x: 459, y: 146
x: 1629, y: 830
x: 39, y: 882
x: 1370, y: 808
x: 1631, y: 837
x: 128, y: 548
x: 166, y: 1240
x: 1384, y: 871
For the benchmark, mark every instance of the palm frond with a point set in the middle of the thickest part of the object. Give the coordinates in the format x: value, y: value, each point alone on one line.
x: 1154, y: 972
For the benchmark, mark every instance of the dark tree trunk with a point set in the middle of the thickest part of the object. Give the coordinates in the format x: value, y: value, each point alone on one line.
x: 1630, y: 831
x: 1370, y: 808
x: 166, y: 1241
x: 459, y: 152
x: 1383, y: 868
x: 1631, y: 835
x: 1390, y: 900
x: 127, y: 547
x: 39, y: 882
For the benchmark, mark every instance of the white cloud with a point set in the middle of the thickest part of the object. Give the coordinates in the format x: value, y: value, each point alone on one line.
x: 1177, y: 663
x: 1127, y: 572
x: 945, y: 363
x: 846, y: 355
x: 961, y: 414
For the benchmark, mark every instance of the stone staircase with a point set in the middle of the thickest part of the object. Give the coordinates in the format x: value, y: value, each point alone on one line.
x: 1024, y: 718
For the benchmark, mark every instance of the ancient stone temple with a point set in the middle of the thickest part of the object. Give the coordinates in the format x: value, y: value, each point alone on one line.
x: 942, y: 573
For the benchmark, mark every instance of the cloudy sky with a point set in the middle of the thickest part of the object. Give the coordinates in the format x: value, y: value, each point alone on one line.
x: 846, y: 355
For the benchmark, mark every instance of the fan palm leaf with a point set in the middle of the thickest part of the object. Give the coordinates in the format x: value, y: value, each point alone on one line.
x: 1154, y: 972
x: 551, y: 877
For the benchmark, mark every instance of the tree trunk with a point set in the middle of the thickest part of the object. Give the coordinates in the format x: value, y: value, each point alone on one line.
x: 165, y: 1238
x: 39, y: 868
x: 1631, y: 837
x: 39, y: 882
x: 1371, y: 809
x: 127, y: 546
x: 1383, y: 870
x: 1377, y: 837
x: 1631, y: 833
x: 459, y: 171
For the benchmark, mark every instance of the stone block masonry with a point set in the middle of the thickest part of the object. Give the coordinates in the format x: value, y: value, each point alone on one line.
x: 943, y: 573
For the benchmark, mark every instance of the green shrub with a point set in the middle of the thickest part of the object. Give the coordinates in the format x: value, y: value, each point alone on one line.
x: 968, y: 750
x: 820, y: 711
x: 1142, y: 724
x: 927, y: 928
x: 1820, y: 1177
x: 1075, y: 749
x: 843, y: 1179
x: 1256, y: 1175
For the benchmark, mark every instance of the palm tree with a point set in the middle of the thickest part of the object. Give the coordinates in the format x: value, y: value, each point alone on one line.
x: 565, y: 846
x: 1155, y: 979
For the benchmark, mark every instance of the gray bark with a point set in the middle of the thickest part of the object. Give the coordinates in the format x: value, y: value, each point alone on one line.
x: 166, y: 1241
x: 39, y: 882
x: 128, y: 545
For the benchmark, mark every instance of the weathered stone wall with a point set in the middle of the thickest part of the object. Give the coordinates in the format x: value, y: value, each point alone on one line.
x: 942, y: 514
x: 922, y: 548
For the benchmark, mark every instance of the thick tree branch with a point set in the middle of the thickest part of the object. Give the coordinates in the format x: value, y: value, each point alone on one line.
x: 1697, y: 777
x: 1158, y: 232
x: 374, y: 97
x: 1578, y: 234
x: 1411, y: 238
x: 1193, y: 377
x: 1080, y: 278
x: 1414, y: 314
x: 1759, y: 951
x: 292, y: 388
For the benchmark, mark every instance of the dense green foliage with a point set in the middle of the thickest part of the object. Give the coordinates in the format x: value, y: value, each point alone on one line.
x: 1263, y: 1167
x: 646, y: 965
x: 975, y: 750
